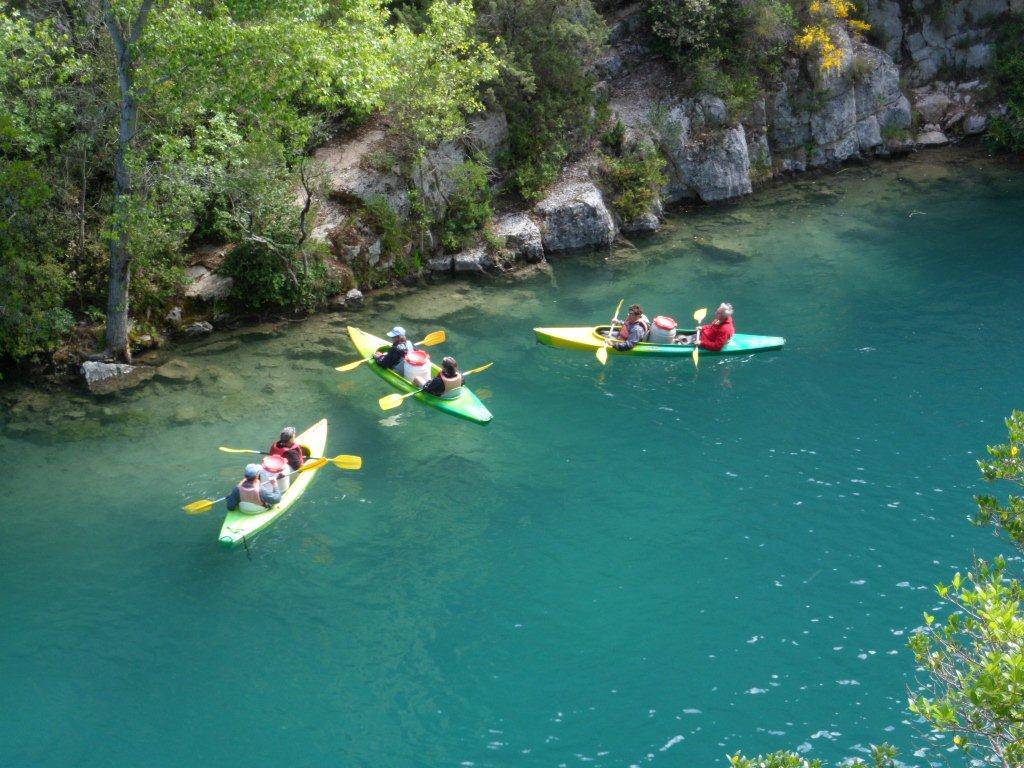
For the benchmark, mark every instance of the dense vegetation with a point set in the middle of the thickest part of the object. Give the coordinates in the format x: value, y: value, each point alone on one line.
x: 1006, y: 132
x: 972, y: 659
x: 134, y: 131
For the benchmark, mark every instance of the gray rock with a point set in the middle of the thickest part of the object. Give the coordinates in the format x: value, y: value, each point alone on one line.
x: 986, y: 10
x: 441, y: 263
x: 931, y: 139
x: 978, y: 56
x: 177, y: 370
x: 354, y: 298
x: 473, y: 260
x: 521, y: 236
x: 488, y: 133
x: 884, y: 18
x: 207, y: 285
x: 975, y: 124
x: 869, y: 135
x: 202, y: 328
x: 717, y: 167
x: 174, y: 316
x: 933, y: 107
x: 353, y: 171
x: 184, y: 414
x: 336, y: 303
x: 104, y: 378
x: 574, y: 218
x: 645, y: 224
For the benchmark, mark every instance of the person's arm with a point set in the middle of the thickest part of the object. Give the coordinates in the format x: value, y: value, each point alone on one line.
x: 232, y: 500
x: 392, y: 357
x: 295, y: 457
x: 269, y: 495
x: 713, y: 337
x: 632, y: 341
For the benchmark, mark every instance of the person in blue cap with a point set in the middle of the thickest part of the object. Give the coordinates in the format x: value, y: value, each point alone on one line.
x: 400, y: 347
x: 253, y: 495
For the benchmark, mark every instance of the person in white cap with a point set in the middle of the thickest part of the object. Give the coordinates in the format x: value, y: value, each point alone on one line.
x: 715, y: 334
x: 252, y: 494
x: 400, y: 347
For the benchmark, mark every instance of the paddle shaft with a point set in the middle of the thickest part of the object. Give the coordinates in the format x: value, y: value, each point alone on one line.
x: 467, y: 373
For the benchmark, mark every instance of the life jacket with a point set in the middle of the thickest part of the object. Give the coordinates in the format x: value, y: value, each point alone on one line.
x: 643, y: 322
x: 278, y: 450
x: 251, y: 494
x: 451, y: 385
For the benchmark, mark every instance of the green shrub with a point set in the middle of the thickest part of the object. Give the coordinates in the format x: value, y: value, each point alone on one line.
x: 469, y: 208
x: 267, y: 279
x: 634, y: 182
x: 1006, y: 132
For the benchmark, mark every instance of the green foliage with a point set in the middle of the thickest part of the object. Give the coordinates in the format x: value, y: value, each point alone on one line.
x: 32, y: 317
x: 975, y: 659
x: 882, y: 756
x: 440, y: 72
x: 1006, y: 132
x: 545, y: 88
x: 726, y: 47
x: 268, y: 280
x: 634, y: 182
x: 469, y: 208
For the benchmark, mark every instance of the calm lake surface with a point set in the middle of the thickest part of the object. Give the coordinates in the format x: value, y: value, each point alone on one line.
x: 632, y: 565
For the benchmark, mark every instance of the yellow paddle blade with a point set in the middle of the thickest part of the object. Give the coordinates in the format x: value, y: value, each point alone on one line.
x: 602, y: 354
x: 700, y: 314
x: 351, y: 366
x: 437, y: 337
x: 237, y: 450
x: 388, y: 402
x: 309, y: 466
x: 481, y: 369
x: 696, y: 353
x: 348, y: 462
x: 198, y: 507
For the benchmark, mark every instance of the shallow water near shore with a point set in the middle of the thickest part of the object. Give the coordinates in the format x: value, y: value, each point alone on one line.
x: 640, y: 564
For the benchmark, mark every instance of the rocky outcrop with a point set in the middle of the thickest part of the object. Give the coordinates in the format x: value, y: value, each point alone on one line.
x: 574, y: 218
x: 207, y: 285
x: 104, y: 378
x: 520, y: 236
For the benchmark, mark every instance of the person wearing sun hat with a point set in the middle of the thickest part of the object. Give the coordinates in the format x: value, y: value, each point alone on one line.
x: 400, y: 347
x: 252, y: 495
x: 287, y: 449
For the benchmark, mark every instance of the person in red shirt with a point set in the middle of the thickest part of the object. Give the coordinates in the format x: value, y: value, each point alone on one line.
x: 716, y: 334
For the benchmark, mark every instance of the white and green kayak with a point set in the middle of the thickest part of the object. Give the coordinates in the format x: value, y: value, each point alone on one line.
x: 240, y: 527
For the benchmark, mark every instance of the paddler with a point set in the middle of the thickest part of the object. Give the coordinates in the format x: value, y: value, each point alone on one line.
x: 448, y: 380
x: 715, y: 334
x: 286, y: 448
x: 400, y: 347
x: 633, y: 330
x: 253, y: 492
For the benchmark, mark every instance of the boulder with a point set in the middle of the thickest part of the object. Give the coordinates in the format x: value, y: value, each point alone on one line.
x: 975, y: 124
x: 575, y: 218
x: 104, y: 378
x: 174, y: 316
x: 521, y: 237
x: 931, y: 138
x: 884, y: 18
x: 473, y: 260
x: 715, y: 166
x: 354, y: 298
x: 356, y: 170
x: 933, y: 107
x: 442, y: 263
x: 207, y: 285
x: 645, y: 224
x: 201, y: 328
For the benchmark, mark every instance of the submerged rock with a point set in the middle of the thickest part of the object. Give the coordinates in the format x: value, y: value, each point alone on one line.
x: 104, y: 378
x: 177, y: 370
x: 202, y: 328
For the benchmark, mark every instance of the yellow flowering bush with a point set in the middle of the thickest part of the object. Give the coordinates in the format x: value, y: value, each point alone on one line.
x: 816, y: 34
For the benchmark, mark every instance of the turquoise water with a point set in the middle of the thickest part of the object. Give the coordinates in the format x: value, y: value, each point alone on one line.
x: 641, y: 564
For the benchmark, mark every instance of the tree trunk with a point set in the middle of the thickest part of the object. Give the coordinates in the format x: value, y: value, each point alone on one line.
x: 120, y: 249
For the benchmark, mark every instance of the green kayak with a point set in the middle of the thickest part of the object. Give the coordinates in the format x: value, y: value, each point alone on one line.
x: 240, y: 527
x: 592, y: 338
x: 465, y: 405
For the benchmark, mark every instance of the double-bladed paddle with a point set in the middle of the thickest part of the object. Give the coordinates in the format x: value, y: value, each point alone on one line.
x: 388, y: 402
x: 205, y: 505
x: 602, y: 351
x: 342, y: 461
x: 437, y: 337
x: 698, y: 316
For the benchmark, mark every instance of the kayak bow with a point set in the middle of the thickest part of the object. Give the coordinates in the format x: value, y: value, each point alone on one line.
x: 465, y: 405
x: 239, y: 526
x: 591, y: 339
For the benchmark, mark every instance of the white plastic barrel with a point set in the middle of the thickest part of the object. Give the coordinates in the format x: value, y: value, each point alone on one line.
x: 417, y: 363
x: 663, y: 330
